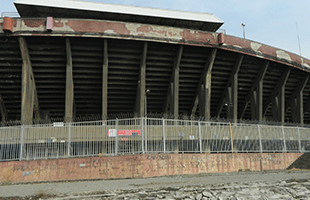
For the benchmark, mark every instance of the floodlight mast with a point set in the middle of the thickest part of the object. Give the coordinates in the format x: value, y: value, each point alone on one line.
x: 298, y: 40
x: 243, y: 25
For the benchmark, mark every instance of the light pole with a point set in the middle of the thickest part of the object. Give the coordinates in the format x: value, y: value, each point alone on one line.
x: 243, y: 25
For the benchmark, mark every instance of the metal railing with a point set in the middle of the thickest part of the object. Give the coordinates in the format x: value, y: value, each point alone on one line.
x: 146, y: 135
x: 9, y: 14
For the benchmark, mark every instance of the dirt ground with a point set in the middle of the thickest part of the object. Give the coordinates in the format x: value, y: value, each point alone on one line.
x: 194, y: 186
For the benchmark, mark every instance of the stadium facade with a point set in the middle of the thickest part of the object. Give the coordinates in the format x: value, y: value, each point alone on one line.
x: 64, y: 59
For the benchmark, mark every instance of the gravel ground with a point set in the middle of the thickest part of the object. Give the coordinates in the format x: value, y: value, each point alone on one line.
x: 287, y: 184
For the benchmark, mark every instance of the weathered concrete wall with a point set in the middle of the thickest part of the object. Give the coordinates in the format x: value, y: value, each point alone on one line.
x: 138, y: 166
x: 146, y: 32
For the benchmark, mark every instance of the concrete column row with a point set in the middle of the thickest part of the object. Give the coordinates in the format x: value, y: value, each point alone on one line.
x: 30, y: 105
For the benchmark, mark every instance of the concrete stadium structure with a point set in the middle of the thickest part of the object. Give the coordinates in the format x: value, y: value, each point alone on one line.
x: 65, y: 59
x: 72, y: 58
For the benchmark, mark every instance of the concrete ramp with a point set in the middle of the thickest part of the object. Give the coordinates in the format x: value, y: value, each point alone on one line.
x: 303, y: 162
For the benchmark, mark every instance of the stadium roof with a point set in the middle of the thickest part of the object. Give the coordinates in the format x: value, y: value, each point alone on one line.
x: 91, y: 10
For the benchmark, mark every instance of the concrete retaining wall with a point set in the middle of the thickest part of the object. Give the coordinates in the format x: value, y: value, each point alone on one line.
x: 138, y: 166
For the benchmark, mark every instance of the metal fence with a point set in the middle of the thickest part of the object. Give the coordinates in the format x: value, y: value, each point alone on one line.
x: 146, y: 135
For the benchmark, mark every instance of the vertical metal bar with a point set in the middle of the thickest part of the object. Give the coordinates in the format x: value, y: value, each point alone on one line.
x: 299, y: 142
x: 200, y: 141
x: 21, y: 142
x: 284, y: 143
x: 116, y: 137
x: 231, y: 138
x: 143, y: 132
x: 69, y: 140
x: 260, y: 139
x: 164, y: 136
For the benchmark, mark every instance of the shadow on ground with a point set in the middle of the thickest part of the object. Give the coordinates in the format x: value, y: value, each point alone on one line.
x: 303, y: 162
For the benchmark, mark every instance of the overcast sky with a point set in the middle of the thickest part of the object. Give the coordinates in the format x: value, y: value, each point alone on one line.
x: 271, y: 22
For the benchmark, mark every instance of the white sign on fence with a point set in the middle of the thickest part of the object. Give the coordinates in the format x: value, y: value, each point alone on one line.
x: 112, y: 132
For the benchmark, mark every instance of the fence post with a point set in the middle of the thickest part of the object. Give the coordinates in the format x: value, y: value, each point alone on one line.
x: 200, y: 141
x: 299, y: 142
x: 164, y: 136
x: 69, y: 139
x: 116, y: 137
x: 145, y: 132
x: 260, y: 139
x: 284, y: 143
x: 231, y: 138
x: 142, y: 139
x: 21, y: 142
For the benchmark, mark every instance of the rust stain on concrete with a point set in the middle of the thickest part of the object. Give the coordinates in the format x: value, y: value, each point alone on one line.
x: 199, y: 36
x: 58, y: 23
x: 34, y: 23
x: 97, y: 27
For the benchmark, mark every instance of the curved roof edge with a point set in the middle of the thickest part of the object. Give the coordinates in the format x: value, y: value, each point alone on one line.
x: 147, y: 32
x: 37, y: 8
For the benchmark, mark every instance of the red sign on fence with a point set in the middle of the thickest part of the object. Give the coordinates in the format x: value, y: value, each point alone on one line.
x: 112, y: 133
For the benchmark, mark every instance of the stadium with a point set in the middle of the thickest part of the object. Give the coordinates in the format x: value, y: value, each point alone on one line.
x: 115, y: 56
x: 64, y: 62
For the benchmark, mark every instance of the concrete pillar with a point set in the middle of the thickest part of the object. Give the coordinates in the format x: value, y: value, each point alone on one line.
x: 277, y: 98
x: 234, y: 97
x: 230, y: 95
x: 3, y: 111
x: 278, y: 105
x: 203, y: 93
x: 255, y: 95
x: 105, y: 80
x: 30, y: 102
x: 296, y: 101
x: 174, y: 108
x: 142, y: 82
x: 259, y: 106
x: 69, y: 85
